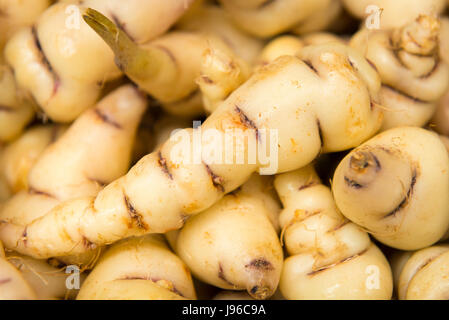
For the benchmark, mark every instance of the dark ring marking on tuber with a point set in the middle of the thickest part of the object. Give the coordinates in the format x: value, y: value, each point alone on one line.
x: 353, y: 184
x: 372, y: 65
x: 260, y: 264
x: 121, y: 25
x: 310, y: 65
x: 406, y: 199
x: 431, y: 72
x: 45, y: 60
x: 163, y: 163
x: 207, y: 80
x: 136, y: 217
x: 247, y: 122
x: 168, y: 52
x: 312, y: 273
x: 217, y: 181
x: 308, y: 185
x: 222, y: 276
x: 107, y: 119
x: 320, y: 132
x: 341, y: 225
x: 406, y: 95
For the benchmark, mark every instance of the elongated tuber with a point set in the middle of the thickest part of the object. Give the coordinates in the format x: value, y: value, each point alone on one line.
x: 330, y: 257
x: 414, y: 77
x: 139, y: 268
x: 395, y: 186
x: 324, y: 101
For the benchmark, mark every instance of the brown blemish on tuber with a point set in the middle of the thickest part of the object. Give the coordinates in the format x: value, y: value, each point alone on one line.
x: 163, y: 163
x: 106, y: 119
x: 217, y: 181
x: 136, y: 217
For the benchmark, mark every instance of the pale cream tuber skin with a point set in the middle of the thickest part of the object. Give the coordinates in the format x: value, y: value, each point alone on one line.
x: 414, y: 77
x: 265, y: 19
x: 329, y: 257
x: 395, y: 186
x: 19, y: 157
x: 139, y: 268
x: 63, y: 63
x: 172, y: 67
x: 425, y: 275
x: 396, y: 13
x: 324, y: 101
x: 233, y: 244
x: 74, y: 166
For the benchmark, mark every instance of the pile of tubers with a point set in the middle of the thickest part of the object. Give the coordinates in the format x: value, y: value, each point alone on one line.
x: 231, y: 150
